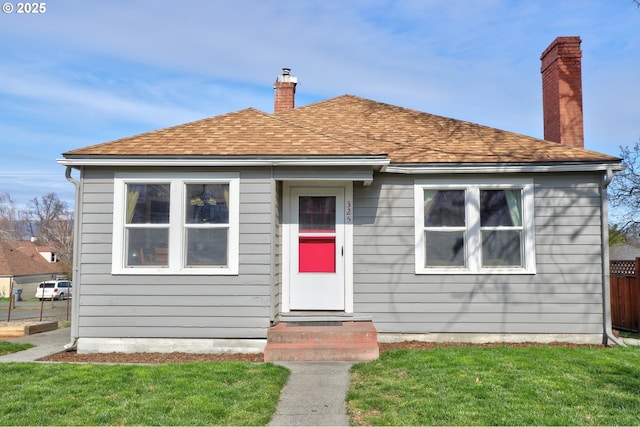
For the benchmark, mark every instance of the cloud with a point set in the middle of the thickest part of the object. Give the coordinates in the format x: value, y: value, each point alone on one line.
x: 48, y: 87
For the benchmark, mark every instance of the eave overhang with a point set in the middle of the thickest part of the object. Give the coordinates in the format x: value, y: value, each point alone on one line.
x: 471, y: 168
x: 375, y: 162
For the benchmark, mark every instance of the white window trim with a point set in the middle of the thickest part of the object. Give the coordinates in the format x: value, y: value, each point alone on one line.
x: 473, y: 249
x: 177, y: 230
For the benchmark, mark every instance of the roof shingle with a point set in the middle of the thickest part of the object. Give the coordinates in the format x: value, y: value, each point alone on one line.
x: 343, y: 126
x: 23, y: 259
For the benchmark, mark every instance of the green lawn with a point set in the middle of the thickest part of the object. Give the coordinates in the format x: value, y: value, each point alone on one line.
x: 223, y: 393
x: 7, y: 347
x: 539, y: 385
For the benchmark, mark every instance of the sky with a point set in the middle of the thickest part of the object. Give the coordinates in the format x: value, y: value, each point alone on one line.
x: 85, y: 72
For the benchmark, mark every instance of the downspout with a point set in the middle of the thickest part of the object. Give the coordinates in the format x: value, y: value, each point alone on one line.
x: 606, y: 280
x: 76, y: 264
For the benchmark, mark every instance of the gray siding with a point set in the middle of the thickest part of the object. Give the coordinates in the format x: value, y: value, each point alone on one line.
x: 277, y: 284
x: 175, y: 306
x: 564, y: 296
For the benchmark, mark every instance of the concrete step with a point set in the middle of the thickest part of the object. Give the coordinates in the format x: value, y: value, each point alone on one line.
x: 332, y: 341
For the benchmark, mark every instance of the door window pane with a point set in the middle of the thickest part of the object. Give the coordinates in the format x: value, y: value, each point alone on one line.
x: 444, y: 208
x: 207, y: 204
x: 317, y: 254
x: 317, y: 213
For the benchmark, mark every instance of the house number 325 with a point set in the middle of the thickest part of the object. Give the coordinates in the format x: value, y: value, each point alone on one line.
x: 349, y: 212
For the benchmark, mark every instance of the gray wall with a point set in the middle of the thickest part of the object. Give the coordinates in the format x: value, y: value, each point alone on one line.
x: 277, y: 245
x: 565, y: 296
x: 175, y: 306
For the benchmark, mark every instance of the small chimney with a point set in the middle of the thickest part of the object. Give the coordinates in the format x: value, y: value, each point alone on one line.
x: 285, y: 91
x: 562, y: 92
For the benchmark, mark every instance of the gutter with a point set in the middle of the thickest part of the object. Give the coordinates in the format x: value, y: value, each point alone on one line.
x: 76, y: 264
x: 484, y: 168
x: 371, y: 161
x: 606, y: 279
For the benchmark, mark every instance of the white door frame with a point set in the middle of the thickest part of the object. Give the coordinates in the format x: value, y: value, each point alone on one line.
x: 348, y: 238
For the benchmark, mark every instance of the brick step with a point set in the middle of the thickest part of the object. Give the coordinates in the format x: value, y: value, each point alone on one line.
x: 347, y: 332
x: 300, y: 352
x: 343, y: 341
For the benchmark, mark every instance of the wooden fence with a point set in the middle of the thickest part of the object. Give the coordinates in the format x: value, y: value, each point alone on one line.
x: 625, y: 294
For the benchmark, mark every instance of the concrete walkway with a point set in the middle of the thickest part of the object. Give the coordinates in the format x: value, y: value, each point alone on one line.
x: 46, y: 344
x: 314, y: 395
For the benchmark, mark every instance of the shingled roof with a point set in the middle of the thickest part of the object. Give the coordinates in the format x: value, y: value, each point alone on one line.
x: 23, y: 259
x: 343, y: 126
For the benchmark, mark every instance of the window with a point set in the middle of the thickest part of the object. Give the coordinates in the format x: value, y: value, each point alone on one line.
x: 176, y: 224
x: 207, y: 224
x: 474, y: 227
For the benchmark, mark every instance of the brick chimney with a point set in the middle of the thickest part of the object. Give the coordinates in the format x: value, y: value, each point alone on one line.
x: 285, y: 91
x: 562, y: 92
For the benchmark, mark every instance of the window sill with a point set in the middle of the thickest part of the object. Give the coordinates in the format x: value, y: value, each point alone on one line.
x: 158, y: 271
x: 482, y: 272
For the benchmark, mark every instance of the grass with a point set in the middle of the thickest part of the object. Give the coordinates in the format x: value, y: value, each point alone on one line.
x: 539, y: 385
x: 7, y: 347
x: 628, y: 334
x: 226, y: 393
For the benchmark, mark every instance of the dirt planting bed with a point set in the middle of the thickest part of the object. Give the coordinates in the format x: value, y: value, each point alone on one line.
x: 155, y: 358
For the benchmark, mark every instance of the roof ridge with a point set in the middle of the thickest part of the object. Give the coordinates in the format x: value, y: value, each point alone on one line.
x: 313, y: 104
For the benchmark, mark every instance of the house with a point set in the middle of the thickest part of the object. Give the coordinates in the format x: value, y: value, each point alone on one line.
x: 208, y: 235
x: 24, y: 265
x: 624, y: 251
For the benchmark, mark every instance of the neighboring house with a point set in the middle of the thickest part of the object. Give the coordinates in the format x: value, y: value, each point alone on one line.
x: 624, y: 251
x: 207, y: 234
x: 26, y: 265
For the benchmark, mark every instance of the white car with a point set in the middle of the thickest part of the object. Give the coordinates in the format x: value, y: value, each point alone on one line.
x: 54, y: 289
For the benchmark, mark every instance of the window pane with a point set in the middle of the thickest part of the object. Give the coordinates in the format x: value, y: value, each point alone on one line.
x: 444, y: 248
x: 148, y: 203
x: 207, y: 204
x: 501, y: 248
x: 147, y: 246
x: 444, y: 208
x: 500, y: 208
x: 317, y: 213
x: 207, y: 246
